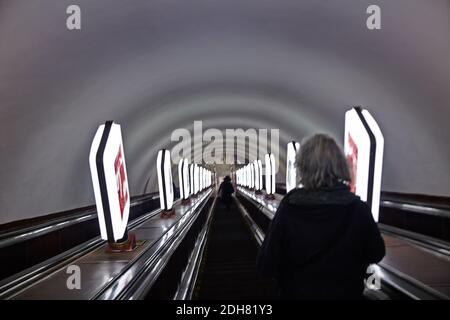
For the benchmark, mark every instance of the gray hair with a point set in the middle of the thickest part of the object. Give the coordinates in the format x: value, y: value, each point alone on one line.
x: 321, y: 163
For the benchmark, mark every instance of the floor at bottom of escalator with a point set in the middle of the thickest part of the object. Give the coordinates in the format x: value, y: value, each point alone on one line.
x: 228, y: 270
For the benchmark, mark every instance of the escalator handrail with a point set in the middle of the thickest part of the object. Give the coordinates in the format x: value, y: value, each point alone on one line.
x: 13, y: 285
x: 437, y: 245
x: 146, y: 269
x: 408, y: 285
x: 421, y: 290
x: 21, y: 235
x: 187, y: 284
x: 410, y: 206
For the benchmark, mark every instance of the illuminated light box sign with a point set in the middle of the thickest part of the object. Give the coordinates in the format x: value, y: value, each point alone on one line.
x: 247, y: 176
x: 203, y: 179
x: 196, y: 179
x: 257, y: 175
x: 110, y: 182
x: 183, y: 176
x: 364, y: 147
x: 252, y: 175
x: 291, y: 171
x: 270, y: 175
x: 200, y: 178
x: 191, y: 179
x: 259, y: 165
x: 165, y: 184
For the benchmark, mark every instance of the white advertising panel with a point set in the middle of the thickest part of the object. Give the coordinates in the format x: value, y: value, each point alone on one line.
x: 252, y: 175
x: 191, y: 178
x: 200, y: 179
x: 270, y: 173
x: 196, y: 179
x: 165, y: 184
x: 291, y: 171
x: 110, y: 181
x: 364, y: 145
x: 260, y: 174
x: 256, y: 170
x: 183, y: 176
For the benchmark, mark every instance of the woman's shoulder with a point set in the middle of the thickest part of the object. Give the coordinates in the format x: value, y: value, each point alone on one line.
x: 362, y: 213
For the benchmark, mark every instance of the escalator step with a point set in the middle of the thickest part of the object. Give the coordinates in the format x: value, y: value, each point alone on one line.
x: 228, y: 268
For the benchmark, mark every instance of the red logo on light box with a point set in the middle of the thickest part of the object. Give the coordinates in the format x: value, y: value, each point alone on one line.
x: 352, y: 158
x: 121, y: 181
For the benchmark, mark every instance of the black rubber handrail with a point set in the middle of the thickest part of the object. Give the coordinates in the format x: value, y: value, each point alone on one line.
x: 147, y: 268
x: 9, y: 287
x: 416, y: 207
x: 21, y: 235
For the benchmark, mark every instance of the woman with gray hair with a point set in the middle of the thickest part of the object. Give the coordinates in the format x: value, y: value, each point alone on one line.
x: 323, y: 237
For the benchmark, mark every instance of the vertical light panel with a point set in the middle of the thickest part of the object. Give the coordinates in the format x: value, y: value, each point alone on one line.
x: 244, y: 172
x: 110, y: 181
x: 165, y: 184
x: 181, y: 178
x: 256, y: 169
x: 378, y: 162
x: 291, y: 171
x: 187, y: 188
x: 200, y: 182
x: 247, y: 170
x: 363, y: 146
x: 270, y: 173
x: 183, y: 174
x: 196, y: 179
x: 205, y: 180
x: 272, y: 167
x: 260, y: 174
x: 252, y: 175
x: 209, y: 178
x: 192, y: 178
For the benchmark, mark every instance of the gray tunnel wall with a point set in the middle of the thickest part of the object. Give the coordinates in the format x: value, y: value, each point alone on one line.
x: 154, y: 66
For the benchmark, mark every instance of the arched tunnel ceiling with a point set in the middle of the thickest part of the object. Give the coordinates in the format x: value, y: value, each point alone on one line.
x: 154, y: 66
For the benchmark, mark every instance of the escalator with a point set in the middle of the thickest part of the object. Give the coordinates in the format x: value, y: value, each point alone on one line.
x: 228, y: 268
x: 152, y: 270
x: 414, y: 267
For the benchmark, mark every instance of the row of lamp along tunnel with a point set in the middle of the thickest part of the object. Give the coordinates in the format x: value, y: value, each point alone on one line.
x: 363, y: 147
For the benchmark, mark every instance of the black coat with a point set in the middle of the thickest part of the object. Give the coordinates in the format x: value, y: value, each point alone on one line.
x: 225, y: 191
x: 320, y: 244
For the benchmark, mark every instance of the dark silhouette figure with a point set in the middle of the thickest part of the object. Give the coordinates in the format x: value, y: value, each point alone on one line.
x: 225, y: 192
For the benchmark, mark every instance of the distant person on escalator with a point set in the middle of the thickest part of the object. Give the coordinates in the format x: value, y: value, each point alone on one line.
x: 323, y: 237
x: 225, y: 192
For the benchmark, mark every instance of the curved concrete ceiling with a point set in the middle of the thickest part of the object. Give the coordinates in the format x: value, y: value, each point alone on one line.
x: 154, y: 66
